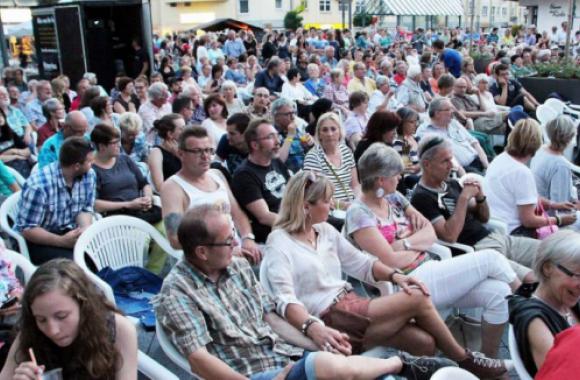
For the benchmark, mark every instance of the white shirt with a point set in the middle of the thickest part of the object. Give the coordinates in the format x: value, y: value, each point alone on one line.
x: 298, y: 274
x: 509, y: 184
x: 377, y: 98
x: 298, y: 92
x: 213, y: 130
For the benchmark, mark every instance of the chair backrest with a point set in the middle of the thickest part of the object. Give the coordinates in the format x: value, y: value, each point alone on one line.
x: 8, y: 212
x: 19, y: 261
x: 515, y: 355
x: 17, y: 176
x: 556, y: 104
x: 119, y: 241
x: 545, y: 113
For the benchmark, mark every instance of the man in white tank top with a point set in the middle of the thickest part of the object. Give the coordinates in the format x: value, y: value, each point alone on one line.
x: 197, y: 184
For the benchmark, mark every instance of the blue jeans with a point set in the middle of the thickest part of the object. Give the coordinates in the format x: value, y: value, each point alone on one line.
x: 303, y: 369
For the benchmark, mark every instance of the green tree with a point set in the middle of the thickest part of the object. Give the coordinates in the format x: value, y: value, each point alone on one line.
x: 361, y: 19
x: 293, y: 20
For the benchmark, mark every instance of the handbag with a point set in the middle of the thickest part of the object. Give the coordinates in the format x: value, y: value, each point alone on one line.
x: 545, y: 231
x: 352, y: 324
x: 465, y: 330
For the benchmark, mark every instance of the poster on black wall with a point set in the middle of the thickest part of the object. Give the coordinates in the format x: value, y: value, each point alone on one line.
x: 44, y: 26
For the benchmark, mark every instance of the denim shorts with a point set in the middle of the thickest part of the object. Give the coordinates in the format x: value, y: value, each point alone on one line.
x: 303, y: 369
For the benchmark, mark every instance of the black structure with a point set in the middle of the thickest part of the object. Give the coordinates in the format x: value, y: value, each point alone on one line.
x: 73, y: 37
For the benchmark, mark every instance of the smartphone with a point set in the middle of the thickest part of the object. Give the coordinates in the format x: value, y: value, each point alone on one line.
x: 10, y: 302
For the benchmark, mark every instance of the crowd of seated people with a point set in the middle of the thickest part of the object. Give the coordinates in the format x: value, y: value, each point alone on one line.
x: 291, y: 173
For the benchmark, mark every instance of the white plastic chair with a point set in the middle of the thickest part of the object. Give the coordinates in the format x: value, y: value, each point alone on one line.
x: 452, y: 373
x: 116, y: 242
x: 19, y: 261
x: 515, y: 355
x: 170, y: 350
x: 561, y: 108
x: 17, y: 176
x: 545, y: 113
x: 8, y: 212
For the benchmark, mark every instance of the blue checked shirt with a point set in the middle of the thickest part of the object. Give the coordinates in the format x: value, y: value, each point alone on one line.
x: 34, y: 113
x: 46, y: 202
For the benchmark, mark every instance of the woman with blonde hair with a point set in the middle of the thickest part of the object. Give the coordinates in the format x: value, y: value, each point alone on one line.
x: 511, y: 188
x: 233, y: 103
x: 67, y: 323
x: 303, y: 266
x: 333, y: 159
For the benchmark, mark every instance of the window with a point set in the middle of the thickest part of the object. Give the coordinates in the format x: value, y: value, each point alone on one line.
x: 244, y: 6
x: 324, y: 5
x: 504, y: 11
x: 497, y: 10
x: 359, y: 6
x: 492, y: 11
x: 342, y: 5
x: 278, y: 4
x: 484, y: 11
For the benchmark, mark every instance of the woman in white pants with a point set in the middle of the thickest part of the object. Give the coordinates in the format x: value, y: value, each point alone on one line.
x: 384, y: 224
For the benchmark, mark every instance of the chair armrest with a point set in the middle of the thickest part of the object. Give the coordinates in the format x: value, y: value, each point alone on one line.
x: 497, y: 225
x: 458, y: 246
x: 153, y: 369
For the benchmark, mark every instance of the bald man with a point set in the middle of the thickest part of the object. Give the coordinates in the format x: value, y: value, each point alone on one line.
x: 489, y: 122
x: 75, y: 124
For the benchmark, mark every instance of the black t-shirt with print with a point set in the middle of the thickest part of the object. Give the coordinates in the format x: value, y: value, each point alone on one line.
x: 434, y: 205
x: 252, y: 182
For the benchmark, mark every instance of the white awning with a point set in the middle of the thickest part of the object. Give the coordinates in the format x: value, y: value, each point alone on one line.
x: 425, y: 7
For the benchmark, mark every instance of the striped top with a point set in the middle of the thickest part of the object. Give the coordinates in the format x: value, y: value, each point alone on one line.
x: 317, y: 161
x: 399, y: 146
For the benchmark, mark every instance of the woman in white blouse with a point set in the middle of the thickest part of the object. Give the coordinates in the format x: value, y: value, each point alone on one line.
x: 217, y: 112
x: 233, y: 103
x: 294, y: 90
x: 303, y: 265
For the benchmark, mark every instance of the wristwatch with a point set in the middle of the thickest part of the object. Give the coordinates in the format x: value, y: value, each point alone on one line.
x: 249, y: 236
x: 308, y: 322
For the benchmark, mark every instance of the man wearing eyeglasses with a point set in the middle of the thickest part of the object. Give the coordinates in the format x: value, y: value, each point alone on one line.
x: 219, y: 317
x: 260, y: 106
x: 75, y: 124
x: 57, y: 202
x: 260, y: 180
x: 466, y: 148
x: 195, y: 183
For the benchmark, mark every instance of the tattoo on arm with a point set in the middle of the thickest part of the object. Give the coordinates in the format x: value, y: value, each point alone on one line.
x: 172, y: 222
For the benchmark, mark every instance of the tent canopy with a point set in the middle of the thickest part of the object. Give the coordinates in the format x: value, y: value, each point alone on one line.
x: 226, y: 23
x: 420, y: 8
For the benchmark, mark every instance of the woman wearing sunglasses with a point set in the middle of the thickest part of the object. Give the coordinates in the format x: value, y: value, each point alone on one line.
x: 303, y: 266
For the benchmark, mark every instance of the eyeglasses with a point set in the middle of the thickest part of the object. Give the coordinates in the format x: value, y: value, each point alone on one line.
x: 230, y: 242
x: 261, y: 95
x: 270, y: 136
x: 200, y: 151
x: 568, y: 272
x: 287, y: 114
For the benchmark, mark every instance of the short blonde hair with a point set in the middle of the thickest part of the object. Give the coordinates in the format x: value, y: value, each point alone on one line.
x: 130, y: 122
x: 305, y: 186
x: 525, y: 139
x: 324, y: 117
